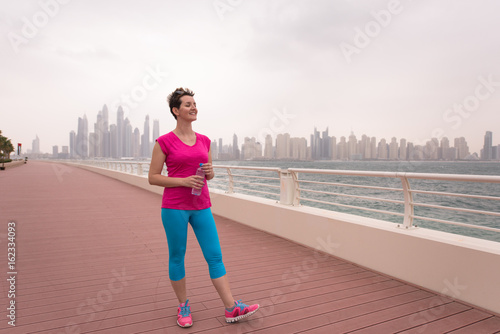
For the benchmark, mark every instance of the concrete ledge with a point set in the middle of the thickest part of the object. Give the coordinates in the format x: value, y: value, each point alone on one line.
x: 136, y: 180
x: 12, y: 164
x: 460, y: 267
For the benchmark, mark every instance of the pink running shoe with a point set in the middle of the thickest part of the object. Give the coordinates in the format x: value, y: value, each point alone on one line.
x: 184, y: 315
x: 240, y: 311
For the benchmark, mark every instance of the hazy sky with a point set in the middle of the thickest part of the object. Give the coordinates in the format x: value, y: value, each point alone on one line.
x: 404, y: 69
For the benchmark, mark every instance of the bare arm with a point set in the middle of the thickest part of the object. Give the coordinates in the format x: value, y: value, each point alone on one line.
x: 156, y: 167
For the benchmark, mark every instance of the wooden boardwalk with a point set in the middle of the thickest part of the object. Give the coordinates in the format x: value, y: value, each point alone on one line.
x: 92, y: 257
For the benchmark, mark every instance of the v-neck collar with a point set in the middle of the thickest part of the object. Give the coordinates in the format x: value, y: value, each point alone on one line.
x: 196, y: 141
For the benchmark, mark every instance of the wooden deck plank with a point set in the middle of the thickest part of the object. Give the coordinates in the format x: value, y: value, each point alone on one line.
x: 92, y: 257
x: 490, y: 325
x: 451, y: 323
x: 324, y: 314
x: 415, y: 319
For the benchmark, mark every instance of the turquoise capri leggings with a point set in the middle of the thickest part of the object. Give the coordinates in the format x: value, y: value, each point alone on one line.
x: 175, y: 223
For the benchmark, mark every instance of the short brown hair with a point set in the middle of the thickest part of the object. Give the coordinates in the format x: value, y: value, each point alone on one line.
x: 174, y: 98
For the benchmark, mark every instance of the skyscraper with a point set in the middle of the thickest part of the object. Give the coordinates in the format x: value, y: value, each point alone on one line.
x: 373, y: 148
x: 268, y: 147
x: 127, y: 138
x: 156, y: 130
x: 98, y: 136
x: 106, y: 150
x: 411, y: 151
x: 352, y: 146
x: 364, y: 147
x: 402, y: 149
x: 342, y: 150
x: 431, y: 149
x: 105, y: 117
x: 72, y: 144
x: 298, y: 148
x: 445, y: 152
x: 250, y: 149
x: 333, y: 148
x: 82, y: 138
x: 215, y: 151
x: 325, y: 145
x: 283, y: 146
x: 119, y: 131
x: 382, y: 149
x: 258, y: 150
x: 236, y: 150
x: 136, y: 143
x: 146, y: 152
x: 315, y: 145
x: 91, y: 144
x: 488, y: 144
x: 462, y: 150
x: 393, y: 149
x: 113, y: 138
x: 35, y: 145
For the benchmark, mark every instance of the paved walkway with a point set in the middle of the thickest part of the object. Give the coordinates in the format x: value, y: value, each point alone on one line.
x: 91, y: 257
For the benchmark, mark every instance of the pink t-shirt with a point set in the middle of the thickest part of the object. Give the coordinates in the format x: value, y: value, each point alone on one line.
x: 182, y: 161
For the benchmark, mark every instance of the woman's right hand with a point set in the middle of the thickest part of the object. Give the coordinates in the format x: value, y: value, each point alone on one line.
x: 194, y: 181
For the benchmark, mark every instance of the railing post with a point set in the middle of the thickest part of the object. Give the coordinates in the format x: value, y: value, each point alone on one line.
x: 287, y: 187
x: 139, y: 169
x: 296, y: 188
x: 231, y: 181
x: 408, y: 199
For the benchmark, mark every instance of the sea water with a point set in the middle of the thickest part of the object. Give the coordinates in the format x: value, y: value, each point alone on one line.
x: 469, y: 168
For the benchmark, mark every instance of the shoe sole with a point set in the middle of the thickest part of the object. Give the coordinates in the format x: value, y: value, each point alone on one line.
x: 229, y: 320
x: 185, y: 326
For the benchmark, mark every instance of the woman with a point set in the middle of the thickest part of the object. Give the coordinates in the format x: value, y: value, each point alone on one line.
x: 182, y: 150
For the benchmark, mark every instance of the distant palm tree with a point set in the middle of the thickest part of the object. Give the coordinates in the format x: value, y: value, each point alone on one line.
x: 6, y: 147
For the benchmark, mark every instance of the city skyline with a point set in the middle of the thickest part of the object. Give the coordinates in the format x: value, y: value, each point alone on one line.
x: 404, y: 69
x: 120, y: 141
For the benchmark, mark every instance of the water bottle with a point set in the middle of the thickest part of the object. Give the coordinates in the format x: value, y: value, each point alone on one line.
x: 199, y: 172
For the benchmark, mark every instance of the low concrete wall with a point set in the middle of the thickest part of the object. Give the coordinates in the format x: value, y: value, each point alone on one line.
x: 12, y: 164
x: 136, y: 180
x: 460, y: 267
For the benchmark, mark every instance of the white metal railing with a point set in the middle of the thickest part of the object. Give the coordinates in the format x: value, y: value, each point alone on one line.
x: 140, y: 168
x: 408, y: 199
x: 291, y: 189
x: 243, y: 182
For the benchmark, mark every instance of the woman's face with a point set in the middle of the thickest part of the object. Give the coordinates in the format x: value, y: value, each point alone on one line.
x: 187, y: 109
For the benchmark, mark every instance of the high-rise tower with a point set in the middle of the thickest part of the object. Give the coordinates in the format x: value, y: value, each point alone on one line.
x: 145, y: 145
x: 119, y: 131
x: 488, y: 144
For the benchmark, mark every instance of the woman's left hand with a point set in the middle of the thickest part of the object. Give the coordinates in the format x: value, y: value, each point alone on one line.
x: 208, y: 169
